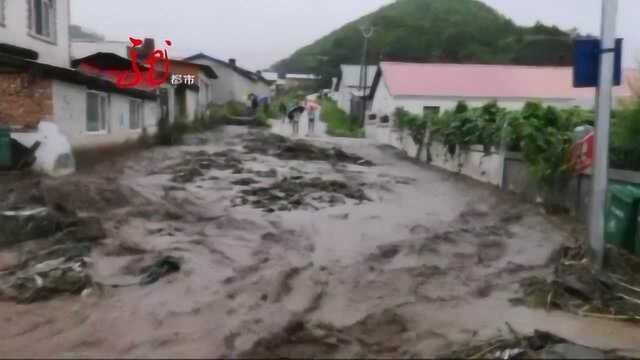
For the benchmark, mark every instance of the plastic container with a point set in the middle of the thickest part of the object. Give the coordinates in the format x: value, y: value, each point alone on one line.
x: 622, y: 217
x: 5, y: 148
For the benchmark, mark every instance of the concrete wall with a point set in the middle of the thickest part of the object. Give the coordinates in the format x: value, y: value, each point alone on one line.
x: 15, y: 31
x: 80, y: 49
x: 192, y: 105
x: 473, y: 162
x: 70, y: 108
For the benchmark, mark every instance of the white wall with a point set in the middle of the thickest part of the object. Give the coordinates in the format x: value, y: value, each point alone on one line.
x: 192, y: 105
x: 473, y: 163
x: 385, y: 104
x: 70, y: 106
x: 80, y: 49
x: 231, y: 86
x: 204, y: 98
x: 16, y: 32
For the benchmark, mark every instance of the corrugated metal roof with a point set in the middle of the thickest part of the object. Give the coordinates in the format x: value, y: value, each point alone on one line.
x: 487, y: 81
x: 350, y: 75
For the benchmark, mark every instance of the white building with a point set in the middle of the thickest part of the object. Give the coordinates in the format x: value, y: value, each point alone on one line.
x: 348, y: 84
x: 41, y: 86
x: 234, y: 83
x: 420, y: 88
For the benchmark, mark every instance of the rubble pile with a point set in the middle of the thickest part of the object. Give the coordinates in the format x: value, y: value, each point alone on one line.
x: 197, y: 163
x: 297, y: 192
x: 576, y: 289
x: 377, y: 335
x: 285, y: 149
x: 52, y: 247
x: 540, y: 345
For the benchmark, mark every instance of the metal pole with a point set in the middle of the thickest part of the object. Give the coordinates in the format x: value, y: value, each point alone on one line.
x: 601, y: 161
x: 364, y: 83
x: 366, y: 33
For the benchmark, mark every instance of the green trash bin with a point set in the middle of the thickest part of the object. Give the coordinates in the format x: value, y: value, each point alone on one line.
x: 622, y: 217
x: 5, y: 148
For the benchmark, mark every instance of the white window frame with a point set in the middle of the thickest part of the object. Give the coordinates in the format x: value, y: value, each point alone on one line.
x: 103, y: 113
x: 136, y: 109
x: 3, y: 11
x: 48, y: 17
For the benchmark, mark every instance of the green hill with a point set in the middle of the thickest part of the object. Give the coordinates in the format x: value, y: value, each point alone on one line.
x: 457, y: 31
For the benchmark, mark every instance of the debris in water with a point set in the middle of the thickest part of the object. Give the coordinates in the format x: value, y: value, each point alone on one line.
x: 245, y: 182
x: 160, y: 268
x: 577, y: 290
x: 46, y: 280
x: 289, y: 194
x: 541, y: 345
x: 286, y: 149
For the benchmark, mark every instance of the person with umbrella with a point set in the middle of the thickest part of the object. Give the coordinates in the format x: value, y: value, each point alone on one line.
x: 312, y: 108
x: 294, y: 114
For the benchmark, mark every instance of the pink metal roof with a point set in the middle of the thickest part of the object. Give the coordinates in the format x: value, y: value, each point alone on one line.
x: 485, y: 81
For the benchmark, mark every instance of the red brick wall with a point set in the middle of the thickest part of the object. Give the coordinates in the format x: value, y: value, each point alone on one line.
x: 25, y: 100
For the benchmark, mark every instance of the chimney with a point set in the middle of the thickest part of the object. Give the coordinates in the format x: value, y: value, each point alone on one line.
x: 232, y: 62
x: 146, y: 49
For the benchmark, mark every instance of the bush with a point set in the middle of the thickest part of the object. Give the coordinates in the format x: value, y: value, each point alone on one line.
x: 625, y: 135
x: 339, y: 123
x: 234, y: 108
x: 171, y: 134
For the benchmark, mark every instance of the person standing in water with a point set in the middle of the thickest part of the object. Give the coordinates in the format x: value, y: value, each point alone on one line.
x: 294, y: 118
x: 311, y: 113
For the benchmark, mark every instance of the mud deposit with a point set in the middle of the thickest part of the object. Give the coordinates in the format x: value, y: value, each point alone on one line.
x: 253, y: 245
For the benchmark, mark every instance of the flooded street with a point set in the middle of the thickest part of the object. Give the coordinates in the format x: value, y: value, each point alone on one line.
x: 298, y: 253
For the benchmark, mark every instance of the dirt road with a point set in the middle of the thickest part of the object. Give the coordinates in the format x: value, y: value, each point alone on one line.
x: 389, y: 260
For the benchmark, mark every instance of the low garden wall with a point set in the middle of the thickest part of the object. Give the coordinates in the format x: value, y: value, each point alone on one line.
x: 473, y: 162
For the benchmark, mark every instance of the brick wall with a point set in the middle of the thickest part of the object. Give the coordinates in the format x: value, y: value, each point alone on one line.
x: 25, y: 100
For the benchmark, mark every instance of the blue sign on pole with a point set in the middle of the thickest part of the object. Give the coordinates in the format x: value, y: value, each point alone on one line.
x: 586, y: 62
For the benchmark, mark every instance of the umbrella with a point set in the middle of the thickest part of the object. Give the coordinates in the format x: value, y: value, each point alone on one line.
x: 295, y: 110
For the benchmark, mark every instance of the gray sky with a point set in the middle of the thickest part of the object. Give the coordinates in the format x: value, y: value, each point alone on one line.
x: 260, y: 32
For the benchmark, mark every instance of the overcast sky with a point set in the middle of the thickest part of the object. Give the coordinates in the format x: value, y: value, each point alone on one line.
x: 260, y: 32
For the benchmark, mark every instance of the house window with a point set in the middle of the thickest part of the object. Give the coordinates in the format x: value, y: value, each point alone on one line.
x: 2, y: 5
x: 431, y: 110
x: 136, y: 114
x: 97, y: 112
x: 42, y: 18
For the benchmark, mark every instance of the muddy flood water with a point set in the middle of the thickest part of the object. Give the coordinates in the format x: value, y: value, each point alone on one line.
x: 354, y: 253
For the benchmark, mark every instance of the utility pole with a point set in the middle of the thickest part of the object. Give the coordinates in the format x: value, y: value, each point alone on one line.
x: 367, y: 32
x: 601, y: 161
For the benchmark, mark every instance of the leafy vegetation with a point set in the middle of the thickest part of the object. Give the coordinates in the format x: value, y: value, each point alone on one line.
x: 458, y: 31
x: 625, y: 132
x: 544, y: 135
x: 416, y: 125
x: 339, y: 123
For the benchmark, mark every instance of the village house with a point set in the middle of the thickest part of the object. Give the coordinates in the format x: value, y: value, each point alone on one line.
x: 347, y: 88
x: 186, y: 95
x: 37, y: 83
x: 421, y: 88
x: 234, y: 83
x: 301, y: 80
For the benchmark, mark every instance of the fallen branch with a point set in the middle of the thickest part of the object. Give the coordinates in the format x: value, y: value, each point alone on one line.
x: 611, y: 317
x: 625, y: 285
x: 629, y: 298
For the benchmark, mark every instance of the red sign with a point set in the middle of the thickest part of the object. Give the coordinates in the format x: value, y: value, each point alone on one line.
x: 582, y: 154
x: 150, y: 80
